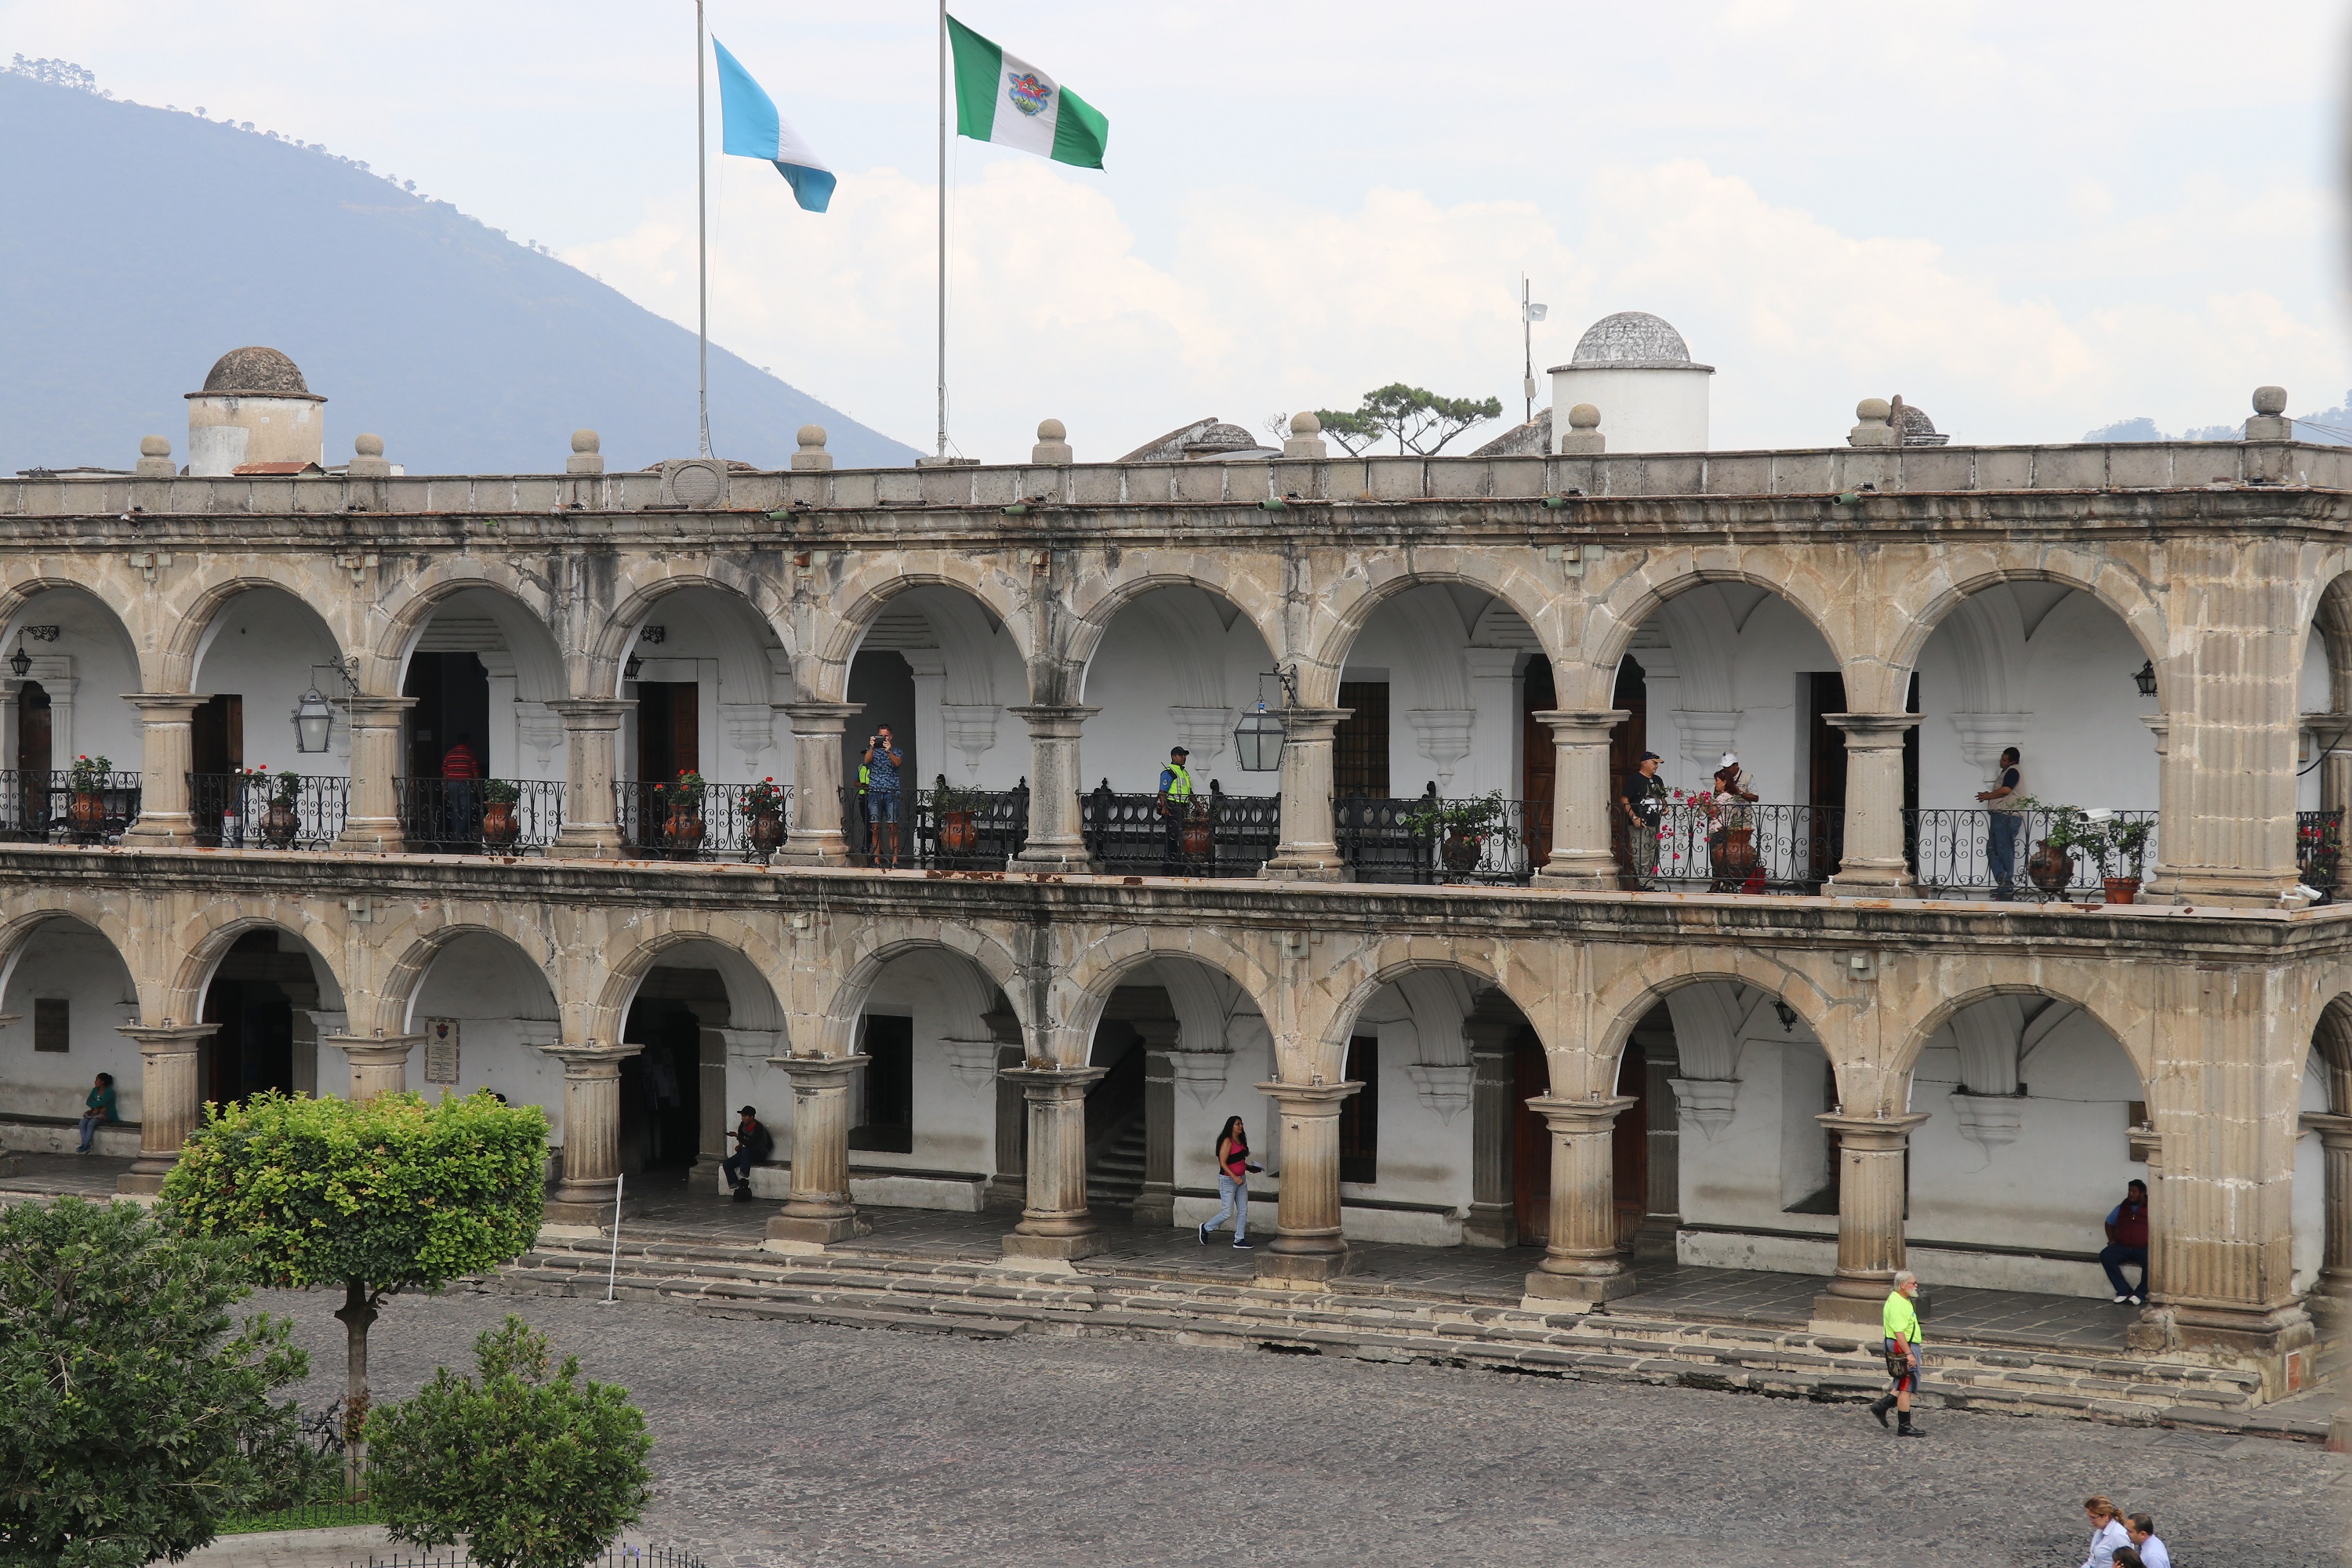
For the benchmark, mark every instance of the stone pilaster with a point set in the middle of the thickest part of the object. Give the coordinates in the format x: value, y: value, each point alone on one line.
x: 1581, y: 1265
x: 166, y: 753
x: 818, y: 1213
x: 371, y: 814
x: 1870, y: 1200
x: 815, y: 836
x: 1583, y: 798
x: 1662, y: 1224
x: 1871, y: 864
x: 1055, y: 1224
x: 592, y: 1133
x: 2332, y: 733
x: 1309, y: 850
x: 1307, y: 1247
x: 171, y: 1101
x: 2335, y: 1282
x: 379, y: 1062
x: 2159, y: 883
x: 1056, y: 828
x: 592, y: 745
x: 1156, y: 1204
x: 1009, y: 1188
x: 1494, y: 1218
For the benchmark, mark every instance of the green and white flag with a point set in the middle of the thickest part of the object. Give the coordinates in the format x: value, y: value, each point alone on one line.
x: 1010, y: 103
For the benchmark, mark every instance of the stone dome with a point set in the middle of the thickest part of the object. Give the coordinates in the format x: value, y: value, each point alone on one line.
x: 1633, y: 340
x: 257, y: 373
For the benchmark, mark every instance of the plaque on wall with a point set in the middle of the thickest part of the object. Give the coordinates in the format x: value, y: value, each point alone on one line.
x: 441, y: 1050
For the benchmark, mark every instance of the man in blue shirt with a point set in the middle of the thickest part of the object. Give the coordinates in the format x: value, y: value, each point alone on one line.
x: 881, y: 762
x: 1175, y: 807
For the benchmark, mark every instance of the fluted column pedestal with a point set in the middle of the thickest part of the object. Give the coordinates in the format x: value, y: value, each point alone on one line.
x: 591, y: 747
x: 1870, y: 1216
x: 1581, y: 1266
x: 171, y: 1102
x: 166, y: 755
x: 818, y: 1213
x: 1056, y: 1223
x: 371, y: 814
x: 1309, y: 850
x: 1871, y: 863
x: 1307, y: 1247
x: 1493, y: 1217
x: 592, y: 1135
x: 1056, y: 828
x: 379, y: 1062
x: 1156, y: 1204
x: 1582, y: 797
x: 2332, y: 1292
x: 813, y: 834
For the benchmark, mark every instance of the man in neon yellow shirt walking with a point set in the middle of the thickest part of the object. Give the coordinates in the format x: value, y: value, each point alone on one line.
x: 1900, y: 1319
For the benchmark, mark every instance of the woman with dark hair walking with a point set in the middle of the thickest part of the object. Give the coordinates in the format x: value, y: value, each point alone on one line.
x: 1233, y: 1169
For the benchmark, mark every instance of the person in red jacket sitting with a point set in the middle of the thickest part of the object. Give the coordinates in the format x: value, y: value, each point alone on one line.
x: 2128, y: 1243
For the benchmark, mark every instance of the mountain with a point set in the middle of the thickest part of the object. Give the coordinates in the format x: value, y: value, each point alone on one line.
x: 2328, y: 427
x: 142, y: 244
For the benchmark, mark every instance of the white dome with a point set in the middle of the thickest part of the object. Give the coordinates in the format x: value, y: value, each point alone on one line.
x: 1633, y: 340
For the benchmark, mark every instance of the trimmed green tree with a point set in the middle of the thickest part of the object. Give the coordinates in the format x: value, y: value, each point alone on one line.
x: 1421, y: 420
x: 382, y: 1196
x: 133, y: 1420
x: 535, y: 1470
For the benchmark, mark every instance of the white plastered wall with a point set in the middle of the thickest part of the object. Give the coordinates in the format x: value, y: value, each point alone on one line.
x: 86, y: 669
x: 505, y: 1013
x: 65, y: 959
x: 719, y: 643
x: 967, y: 671
x: 268, y: 648
x: 1176, y: 667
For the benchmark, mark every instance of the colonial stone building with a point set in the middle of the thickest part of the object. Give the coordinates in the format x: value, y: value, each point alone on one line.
x: 1462, y: 998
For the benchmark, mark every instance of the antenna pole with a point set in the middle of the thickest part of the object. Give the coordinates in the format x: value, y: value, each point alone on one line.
x: 1528, y: 341
x: 701, y: 240
x: 943, y: 229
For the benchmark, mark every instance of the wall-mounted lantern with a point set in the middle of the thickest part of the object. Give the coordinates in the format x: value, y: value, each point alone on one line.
x: 2145, y: 679
x: 1258, y: 738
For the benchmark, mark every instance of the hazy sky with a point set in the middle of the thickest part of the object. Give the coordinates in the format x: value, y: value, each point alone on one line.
x: 2028, y: 219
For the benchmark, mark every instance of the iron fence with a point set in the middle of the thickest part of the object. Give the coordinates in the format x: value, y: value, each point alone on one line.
x: 1732, y: 848
x: 458, y: 816
x: 1965, y: 849
x: 1428, y: 838
x: 1219, y: 835
x: 266, y: 811
x: 706, y: 822
x: 2319, y: 850
x: 37, y: 806
x: 968, y: 829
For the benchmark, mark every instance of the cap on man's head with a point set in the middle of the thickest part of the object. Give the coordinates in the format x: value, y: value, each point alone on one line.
x: 1730, y: 759
x: 1178, y: 751
x: 749, y: 1110
x: 1652, y: 757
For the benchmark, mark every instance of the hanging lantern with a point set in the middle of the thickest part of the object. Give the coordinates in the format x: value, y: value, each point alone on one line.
x: 20, y: 663
x: 2145, y: 679
x: 1258, y: 739
x: 631, y: 671
x: 313, y: 722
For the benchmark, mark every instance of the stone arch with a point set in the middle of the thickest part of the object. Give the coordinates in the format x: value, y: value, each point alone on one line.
x: 206, y: 937
x: 1340, y: 615
x: 48, y: 904
x: 863, y: 591
x: 745, y: 958
x: 1081, y: 988
x: 16, y: 598
x: 983, y: 954
x: 1396, y: 960
x: 1619, y: 1007
x: 196, y: 620
x: 1629, y: 603
x: 2094, y: 1000
x: 401, y: 982
x: 598, y: 671
x: 1095, y: 604
x: 1918, y: 601
x: 406, y: 612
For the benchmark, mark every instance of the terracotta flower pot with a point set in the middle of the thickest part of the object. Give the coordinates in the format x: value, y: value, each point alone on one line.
x: 1734, y: 855
x: 87, y: 815
x: 683, y: 830
x: 767, y: 831
x: 2121, y: 890
x: 500, y: 827
x: 280, y: 825
x: 1197, y: 839
x: 959, y: 832
x: 1462, y: 851
x: 2049, y: 868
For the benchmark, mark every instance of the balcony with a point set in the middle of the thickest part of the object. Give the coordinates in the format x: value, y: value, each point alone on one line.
x: 1427, y: 839
x: 37, y: 807
x: 703, y: 822
x: 1219, y: 835
x: 261, y: 810
x: 479, y: 816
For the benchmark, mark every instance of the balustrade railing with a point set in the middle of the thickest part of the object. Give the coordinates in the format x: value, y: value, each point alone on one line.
x: 458, y: 816
x: 36, y: 808
x: 2319, y: 850
x: 967, y: 829
x: 1219, y: 835
x: 1732, y: 848
x: 703, y: 822
x: 260, y: 811
x: 1428, y: 838
x: 1953, y: 850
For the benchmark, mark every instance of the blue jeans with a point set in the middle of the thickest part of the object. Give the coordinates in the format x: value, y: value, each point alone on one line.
x: 2000, y: 848
x: 737, y: 1167
x: 2113, y: 1258
x: 90, y: 1122
x: 1234, y: 1197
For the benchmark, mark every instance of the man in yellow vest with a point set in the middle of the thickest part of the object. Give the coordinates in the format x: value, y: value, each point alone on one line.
x: 1900, y: 1322
x: 1175, y: 806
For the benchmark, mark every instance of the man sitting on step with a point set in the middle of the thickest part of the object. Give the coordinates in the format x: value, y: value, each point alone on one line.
x: 753, y: 1144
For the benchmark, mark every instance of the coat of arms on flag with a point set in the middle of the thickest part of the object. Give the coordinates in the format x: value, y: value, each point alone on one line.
x: 1029, y: 95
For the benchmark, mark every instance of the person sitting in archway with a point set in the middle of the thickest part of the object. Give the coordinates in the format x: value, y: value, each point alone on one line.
x: 2128, y: 1243
x: 754, y: 1145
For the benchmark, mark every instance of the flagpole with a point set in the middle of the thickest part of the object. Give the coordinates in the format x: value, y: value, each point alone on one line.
x: 943, y: 229
x: 702, y: 241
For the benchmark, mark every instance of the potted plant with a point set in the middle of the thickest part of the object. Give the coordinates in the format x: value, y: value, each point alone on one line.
x: 501, y: 826
x: 87, y: 815
x: 2126, y: 844
x: 682, y: 824
x: 959, y: 812
x: 280, y: 822
x: 2050, y: 867
x: 2318, y: 850
x: 765, y: 802
x: 1465, y: 826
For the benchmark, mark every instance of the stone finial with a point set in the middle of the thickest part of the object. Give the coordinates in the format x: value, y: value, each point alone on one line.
x: 1053, y: 449
x: 2268, y: 423
x: 1306, y: 439
x: 1877, y: 428
x: 155, y: 458
x: 587, y: 454
x: 367, y: 460
x: 1583, y: 437
x: 812, y: 455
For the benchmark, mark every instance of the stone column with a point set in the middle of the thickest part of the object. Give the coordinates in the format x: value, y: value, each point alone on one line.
x: 1056, y: 835
x: 1309, y: 850
x: 819, y: 1212
x: 1009, y: 1188
x: 815, y: 836
x: 1662, y: 1226
x: 165, y: 757
x: 2333, y: 731
x: 170, y: 1100
x: 1493, y: 1217
x: 379, y: 1064
x: 1055, y: 1224
x: 1871, y: 865
x: 591, y: 729
x: 371, y: 812
x: 1870, y: 1216
x: 1583, y: 800
x: 2158, y: 884
x: 1308, y: 1248
x: 1581, y: 1266
x: 1156, y: 1204
x: 592, y: 1135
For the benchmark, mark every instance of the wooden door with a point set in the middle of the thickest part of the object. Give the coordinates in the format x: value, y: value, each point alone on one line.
x: 1530, y: 1143
x: 669, y: 730
x: 1627, y: 741
x: 33, y: 759
x: 1360, y: 745
x: 1540, y: 759
x: 217, y: 735
x: 1629, y: 1147
x: 1825, y: 776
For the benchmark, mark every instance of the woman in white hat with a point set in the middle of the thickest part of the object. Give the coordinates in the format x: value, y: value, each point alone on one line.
x: 1733, y: 792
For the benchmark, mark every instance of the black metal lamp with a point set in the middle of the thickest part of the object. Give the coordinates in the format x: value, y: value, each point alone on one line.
x: 2145, y: 679
x: 20, y: 663
x: 314, y: 721
x: 1788, y: 1015
x: 630, y: 670
x: 1258, y: 738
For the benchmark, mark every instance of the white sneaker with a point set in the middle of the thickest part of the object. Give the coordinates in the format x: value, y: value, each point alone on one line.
x: 2121, y: 1300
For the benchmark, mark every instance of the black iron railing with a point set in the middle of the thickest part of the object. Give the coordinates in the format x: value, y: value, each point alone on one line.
x: 2319, y: 850
x: 1429, y: 838
x: 36, y: 808
x: 967, y: 829
x: 260, y: 811
x: 1217, y: 834
x: 1733, y: 848
x: 708, y: 821
x: 1968, y: 850
x: 459, y: 816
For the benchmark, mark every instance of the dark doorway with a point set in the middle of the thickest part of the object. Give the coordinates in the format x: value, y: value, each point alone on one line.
x: 1911, y: 751
x: 1540, y: 758
x: 33, y: 760
x: 1826, y: 778
x: 669, y: 733
x: 252, y: 1000
x: 883, y: 682
x: 1631, y: 738
x: 217, y: 735
x: 1629, y: 1146
x: 1530, y: 1143
x: 1360, y: 1114
x: 1360, y: 745
x: 887, y: 1122
x: 661, y: 1094
x: 453, y: 704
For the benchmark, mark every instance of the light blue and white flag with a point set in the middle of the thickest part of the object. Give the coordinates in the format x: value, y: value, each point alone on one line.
x: 752, y: 129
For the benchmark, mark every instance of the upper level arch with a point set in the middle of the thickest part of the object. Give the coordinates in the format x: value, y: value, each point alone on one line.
x: 523, y: 606
x: 197, y: 611
x: 755, y: 602
x: 1081, y: 988
x: 1338, y: 616
x: 840, y: 620
x: 1925, y: 591
x: 1176, y: 665
x: 1635, y: 598
x: 1237, y: 586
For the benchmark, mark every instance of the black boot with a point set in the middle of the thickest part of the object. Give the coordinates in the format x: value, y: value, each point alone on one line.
x: 1879, y: 1407
x: 1903, y: 1427
x: 743, y: 1193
